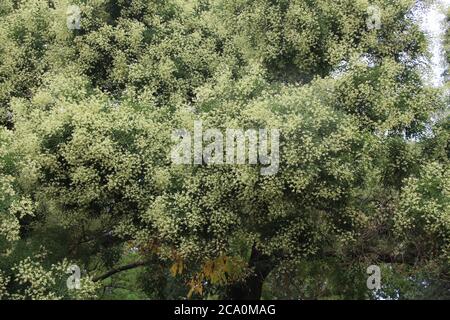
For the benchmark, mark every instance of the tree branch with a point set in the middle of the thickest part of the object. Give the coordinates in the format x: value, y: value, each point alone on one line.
x: 120, y: 269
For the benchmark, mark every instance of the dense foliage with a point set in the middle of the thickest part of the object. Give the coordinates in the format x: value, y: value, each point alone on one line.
x: 86, y: 175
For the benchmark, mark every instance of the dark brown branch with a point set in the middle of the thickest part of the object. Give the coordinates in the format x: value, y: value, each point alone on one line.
x: 120, y: 269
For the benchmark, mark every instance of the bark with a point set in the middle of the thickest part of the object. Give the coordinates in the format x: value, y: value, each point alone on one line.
x: 251, y: 287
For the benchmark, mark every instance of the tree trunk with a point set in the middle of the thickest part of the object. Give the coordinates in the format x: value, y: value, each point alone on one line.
x: 251, y: 287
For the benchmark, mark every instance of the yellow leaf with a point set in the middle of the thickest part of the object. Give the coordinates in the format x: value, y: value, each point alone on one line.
x: 174, y: 269
x: 191, y: 291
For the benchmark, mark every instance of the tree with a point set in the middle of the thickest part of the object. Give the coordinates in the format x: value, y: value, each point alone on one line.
x: 90, y: 114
